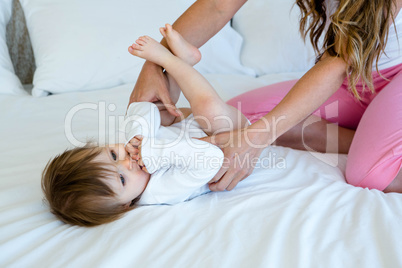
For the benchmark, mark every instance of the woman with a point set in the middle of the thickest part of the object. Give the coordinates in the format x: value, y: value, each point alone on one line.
x: 370, y: 123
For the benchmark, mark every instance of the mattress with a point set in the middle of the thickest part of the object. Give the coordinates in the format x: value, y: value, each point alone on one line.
x: 295, y: 210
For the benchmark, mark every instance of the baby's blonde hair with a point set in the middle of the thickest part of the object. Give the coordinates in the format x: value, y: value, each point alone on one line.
x: 74, y: 186
x: 357, y: 33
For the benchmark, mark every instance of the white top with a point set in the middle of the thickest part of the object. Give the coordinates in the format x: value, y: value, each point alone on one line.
x: 393, y: 52
x: 180, y: 166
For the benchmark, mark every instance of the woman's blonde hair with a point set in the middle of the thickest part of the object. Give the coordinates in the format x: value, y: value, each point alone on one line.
x: 75, y: 188
x: 357, y: 33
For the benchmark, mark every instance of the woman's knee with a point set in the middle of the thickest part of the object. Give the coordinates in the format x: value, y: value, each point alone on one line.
x: 375, y: 156
x: 381, y: 174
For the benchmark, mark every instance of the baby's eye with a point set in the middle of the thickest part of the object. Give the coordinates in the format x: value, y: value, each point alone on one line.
x: 123, y: 181
x: 114, y: 156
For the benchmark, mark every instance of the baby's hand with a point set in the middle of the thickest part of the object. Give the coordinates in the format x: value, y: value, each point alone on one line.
x: 133, y: 147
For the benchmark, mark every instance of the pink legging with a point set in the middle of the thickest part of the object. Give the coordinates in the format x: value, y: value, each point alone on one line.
x: 375, y: 156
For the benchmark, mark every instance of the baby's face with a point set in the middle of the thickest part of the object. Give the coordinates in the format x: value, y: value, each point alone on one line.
x: 130, y: 180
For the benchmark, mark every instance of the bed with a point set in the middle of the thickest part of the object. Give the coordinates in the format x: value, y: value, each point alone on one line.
x: 294, y: 211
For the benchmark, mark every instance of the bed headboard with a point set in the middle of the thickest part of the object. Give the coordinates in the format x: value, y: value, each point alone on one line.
x: 19, y: 45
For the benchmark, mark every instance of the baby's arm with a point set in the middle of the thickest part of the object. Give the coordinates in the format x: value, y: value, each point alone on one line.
x: 144, y: 119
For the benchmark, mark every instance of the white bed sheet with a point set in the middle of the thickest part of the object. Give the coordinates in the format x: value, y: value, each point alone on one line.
x: 304, y: 215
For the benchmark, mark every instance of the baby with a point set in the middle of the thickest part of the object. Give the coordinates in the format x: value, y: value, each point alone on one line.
x: 161, y: 162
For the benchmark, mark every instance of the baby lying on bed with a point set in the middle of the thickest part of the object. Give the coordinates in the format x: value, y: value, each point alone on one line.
x: 157, y: 164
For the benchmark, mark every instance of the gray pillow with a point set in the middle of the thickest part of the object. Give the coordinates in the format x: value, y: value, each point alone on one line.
x: 19, y: 45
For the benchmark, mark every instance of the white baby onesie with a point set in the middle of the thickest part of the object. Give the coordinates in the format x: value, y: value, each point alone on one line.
x: 180, y: 166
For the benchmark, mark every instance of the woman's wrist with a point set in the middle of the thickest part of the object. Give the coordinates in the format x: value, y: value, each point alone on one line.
x: 150, y: 66
x: 259, y: 134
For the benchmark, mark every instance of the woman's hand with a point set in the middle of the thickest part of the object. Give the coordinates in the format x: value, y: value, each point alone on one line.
x: 242, y: 150
x: 152, y: 86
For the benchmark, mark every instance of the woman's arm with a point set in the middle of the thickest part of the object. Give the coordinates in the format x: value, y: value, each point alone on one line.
x: 313, y: 89
x: 197, y: 25
x: 204, y: 19
x: 306, y: 96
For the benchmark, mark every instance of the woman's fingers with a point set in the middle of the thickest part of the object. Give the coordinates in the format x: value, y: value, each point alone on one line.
x: 219, y: 175
x: 167, y: 101
x: 234, y: 171
x: 239, y: 160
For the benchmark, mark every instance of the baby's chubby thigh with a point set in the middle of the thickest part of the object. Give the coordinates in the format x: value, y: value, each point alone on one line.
x: 215, y: 116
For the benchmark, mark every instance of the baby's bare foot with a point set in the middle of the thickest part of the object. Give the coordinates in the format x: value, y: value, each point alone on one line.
x: 179, y: 46
x: 147, y: 48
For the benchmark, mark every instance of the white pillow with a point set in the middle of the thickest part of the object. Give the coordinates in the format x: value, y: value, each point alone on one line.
x: 82, y: 45
x: 272, y: 42
x: 9, y: 82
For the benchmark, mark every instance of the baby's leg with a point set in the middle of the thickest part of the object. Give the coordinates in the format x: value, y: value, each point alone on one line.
x: 210, y: 111
x: 187, y: 53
